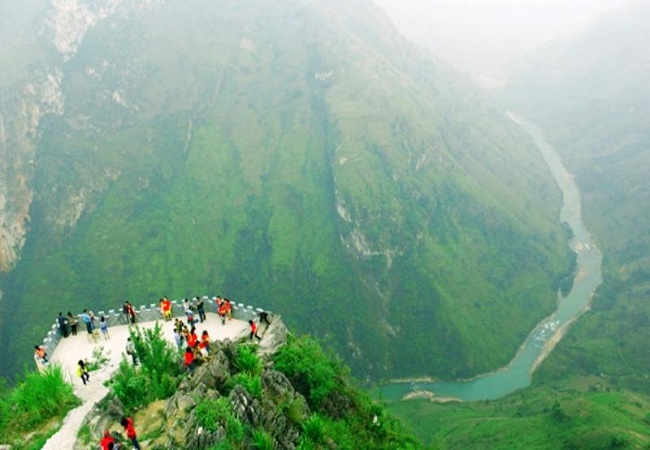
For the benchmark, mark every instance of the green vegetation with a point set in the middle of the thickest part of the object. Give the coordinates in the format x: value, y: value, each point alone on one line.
x: 32, y: 411
x: 158, y: 374
x: 339, y: 177
x: 591, y: 416
x: 340, y: 413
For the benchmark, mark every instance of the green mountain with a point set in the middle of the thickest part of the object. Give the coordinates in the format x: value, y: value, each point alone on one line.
x: 298, y: 156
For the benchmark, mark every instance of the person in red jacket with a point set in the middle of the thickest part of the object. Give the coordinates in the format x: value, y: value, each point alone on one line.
x: 189, y: 360
x: 221, y: 310
x: 106, y: 440
x: 228, y: 309
x: 205, y: 340
x: 253, y: 330
x: 127, y: 423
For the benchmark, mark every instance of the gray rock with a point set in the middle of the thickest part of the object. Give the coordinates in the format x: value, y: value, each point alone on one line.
x: 273, y: 337
x: 219, y: 368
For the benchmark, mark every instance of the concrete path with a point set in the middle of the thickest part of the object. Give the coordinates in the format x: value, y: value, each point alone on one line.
x: 73, y: 348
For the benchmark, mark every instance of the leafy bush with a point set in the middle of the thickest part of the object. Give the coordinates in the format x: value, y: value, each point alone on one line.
x: 294, y: 410
x: 159, y: 373
x: 154, y: 352
x: 314, y: 429
x: 262, y: 440
x: 247, y: 360
x: 213, y: 413
x: 310, y: 371
x: 41, y: 396
x: 130, y: 386
x: 252, y: 383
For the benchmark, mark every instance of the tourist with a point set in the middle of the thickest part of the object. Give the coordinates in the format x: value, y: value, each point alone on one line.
x: 72, y: 321
x: 82, y: 371
x: 130, y: 350
x: 200, y: 307
x: 191, y: 338
x: 205, y: 341
x: 189, y: 360
x: 167, y: 308
x: 103, y: 325
x: 108, y: 441
x: 63, y: 325
x: 127, y: 423
x: 40, y: 358
x: 190, y: 317
x: 228, y: 309
x: 264, y: 318
x: 253, y: 330
x: 221, y: 310
x: 129, y: 312
x: 178, y: 338
x: 88, y: 318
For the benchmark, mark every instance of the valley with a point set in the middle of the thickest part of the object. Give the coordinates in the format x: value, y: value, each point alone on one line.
x: 323, y: 168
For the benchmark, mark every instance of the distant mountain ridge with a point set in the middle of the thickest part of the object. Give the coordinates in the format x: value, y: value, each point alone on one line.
x: 300, y: 156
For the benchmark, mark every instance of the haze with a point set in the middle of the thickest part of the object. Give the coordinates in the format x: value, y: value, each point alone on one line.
x: 477, y: 36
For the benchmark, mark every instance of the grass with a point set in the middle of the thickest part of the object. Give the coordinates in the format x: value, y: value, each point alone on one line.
x: 537, y: 418
x: 32, y: 411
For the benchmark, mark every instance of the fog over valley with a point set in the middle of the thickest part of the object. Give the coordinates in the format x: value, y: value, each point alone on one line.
x: 478, y: 36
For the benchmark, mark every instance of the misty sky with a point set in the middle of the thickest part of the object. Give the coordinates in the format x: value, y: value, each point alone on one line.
x: 479, y: 35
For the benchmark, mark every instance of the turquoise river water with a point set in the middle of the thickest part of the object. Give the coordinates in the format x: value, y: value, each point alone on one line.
x: 548, y: 332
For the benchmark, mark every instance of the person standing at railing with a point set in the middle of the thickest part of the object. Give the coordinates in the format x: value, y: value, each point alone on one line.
x: 200, y: 307
x: 63, y: 325
x: 72, y: 320
x: 129, y: 312
x: 166, y: 306
x: 88, y: 318
x: 221, y: 310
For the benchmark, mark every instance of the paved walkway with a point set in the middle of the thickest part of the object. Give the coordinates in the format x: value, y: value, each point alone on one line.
x: 73, y: 348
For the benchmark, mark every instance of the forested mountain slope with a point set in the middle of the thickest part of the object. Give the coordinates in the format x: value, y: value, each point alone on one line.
x: 296, y: 155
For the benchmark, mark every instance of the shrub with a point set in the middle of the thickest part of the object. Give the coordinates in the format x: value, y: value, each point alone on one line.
x: 314, y: 429
x: 310, y: 371
x: 294, y: 410
x: 130, y: 386
x: 154, y: 352
x: 252, y: 383
x: 41, y: 396
x: 213, y: 413
x: 262, y: 440
x: 159, y: 373
x: 247, y: 361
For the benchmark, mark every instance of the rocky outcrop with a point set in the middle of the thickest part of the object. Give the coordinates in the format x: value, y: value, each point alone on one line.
x: 70, y: 20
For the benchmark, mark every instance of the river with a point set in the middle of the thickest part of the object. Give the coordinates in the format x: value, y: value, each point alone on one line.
x: 543, y: 338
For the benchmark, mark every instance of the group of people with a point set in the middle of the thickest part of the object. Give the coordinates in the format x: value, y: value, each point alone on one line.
x: 185, y: 335
x: 68, y: 324
x: 109, y: 441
